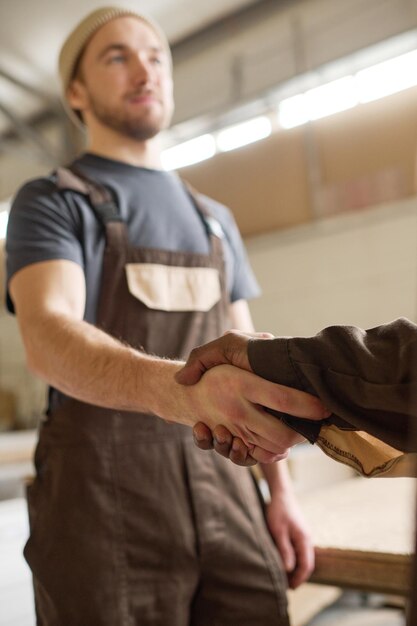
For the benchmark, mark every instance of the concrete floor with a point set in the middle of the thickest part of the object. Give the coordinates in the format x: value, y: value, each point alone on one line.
x: 359, y: 617
x: 353, y: 609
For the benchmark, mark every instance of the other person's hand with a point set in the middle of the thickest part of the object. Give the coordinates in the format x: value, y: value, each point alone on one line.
x: 231, y: 447
x: 231, y: 348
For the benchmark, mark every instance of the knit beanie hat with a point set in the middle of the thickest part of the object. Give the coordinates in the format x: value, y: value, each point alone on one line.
x: 77, y: 40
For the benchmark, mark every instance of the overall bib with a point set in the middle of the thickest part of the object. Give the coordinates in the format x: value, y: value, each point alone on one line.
x: 131, y: 524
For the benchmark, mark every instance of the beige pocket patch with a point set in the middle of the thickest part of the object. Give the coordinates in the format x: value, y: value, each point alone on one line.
x: 172, y: 288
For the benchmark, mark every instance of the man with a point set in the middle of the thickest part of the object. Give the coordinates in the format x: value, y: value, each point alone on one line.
x: 113, y: 263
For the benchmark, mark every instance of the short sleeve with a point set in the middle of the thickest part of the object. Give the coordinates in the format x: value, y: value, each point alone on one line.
x: 42, y: 226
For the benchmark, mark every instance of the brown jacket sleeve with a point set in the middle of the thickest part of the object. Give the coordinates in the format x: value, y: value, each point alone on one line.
x: 368, y: 379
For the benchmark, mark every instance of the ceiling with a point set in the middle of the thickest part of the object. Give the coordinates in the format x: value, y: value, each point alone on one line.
x: 31, y: 34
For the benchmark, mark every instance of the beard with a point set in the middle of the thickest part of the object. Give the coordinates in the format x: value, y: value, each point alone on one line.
x: 140, y: 126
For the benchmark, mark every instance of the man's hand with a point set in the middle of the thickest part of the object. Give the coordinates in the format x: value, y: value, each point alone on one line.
x: 290, y: 534
x: 234, y: 398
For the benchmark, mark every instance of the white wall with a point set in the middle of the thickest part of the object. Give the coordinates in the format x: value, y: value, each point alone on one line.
x: 359, y: 269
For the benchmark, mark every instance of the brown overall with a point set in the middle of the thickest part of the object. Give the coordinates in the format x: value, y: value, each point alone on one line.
x: 131, y: 524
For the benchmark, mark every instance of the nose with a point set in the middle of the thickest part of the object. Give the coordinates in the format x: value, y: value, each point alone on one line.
x: 142, y: 71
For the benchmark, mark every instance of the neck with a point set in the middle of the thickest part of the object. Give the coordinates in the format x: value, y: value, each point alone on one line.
x: 120, y: 148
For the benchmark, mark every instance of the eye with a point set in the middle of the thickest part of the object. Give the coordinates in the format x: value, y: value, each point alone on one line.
x: 116, y: 58
x: 156, y: 60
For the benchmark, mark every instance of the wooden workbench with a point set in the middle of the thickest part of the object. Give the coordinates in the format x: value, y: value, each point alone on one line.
x: 363, y: 533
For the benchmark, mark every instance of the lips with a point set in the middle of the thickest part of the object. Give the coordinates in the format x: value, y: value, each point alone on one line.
x: 142, y: 98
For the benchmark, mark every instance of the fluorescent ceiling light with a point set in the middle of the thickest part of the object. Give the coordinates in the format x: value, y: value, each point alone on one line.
x: 293, y: 112
x: 244, y: 134
x: 4, y: 218
x: 339, y: 95
x: 189, y: 152
x: 379, y: 80
x: 366, y: 85
x: 388, y: 77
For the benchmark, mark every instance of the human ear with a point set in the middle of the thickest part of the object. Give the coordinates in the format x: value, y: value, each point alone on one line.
x: 76, y: 95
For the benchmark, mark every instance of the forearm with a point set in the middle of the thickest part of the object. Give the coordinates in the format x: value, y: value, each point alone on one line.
x: 86, y: 363
x: 381, y: 356
x: 366, y: 378
x: 278, y: 477
x: 287, y: 525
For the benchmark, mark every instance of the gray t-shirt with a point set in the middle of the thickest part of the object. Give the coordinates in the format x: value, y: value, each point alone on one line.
x: 48, y: 224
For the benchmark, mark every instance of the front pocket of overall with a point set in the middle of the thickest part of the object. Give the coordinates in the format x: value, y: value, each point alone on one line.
x: 174, y: 288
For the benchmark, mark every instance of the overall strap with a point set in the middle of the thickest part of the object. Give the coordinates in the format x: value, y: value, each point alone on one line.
x: 213, y: 226
x: 216, y: 236
x: 101, y: 200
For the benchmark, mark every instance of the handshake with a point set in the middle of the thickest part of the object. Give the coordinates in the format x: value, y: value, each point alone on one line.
x: 266, y: 439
